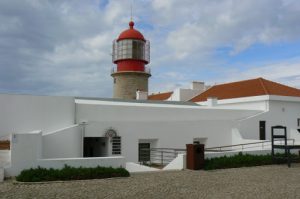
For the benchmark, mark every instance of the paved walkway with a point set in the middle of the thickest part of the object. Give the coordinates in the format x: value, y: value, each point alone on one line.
x: 256, y: 182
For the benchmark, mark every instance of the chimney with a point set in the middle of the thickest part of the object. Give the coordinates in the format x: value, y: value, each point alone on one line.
x: 141, y: 95
x: 198, y: 86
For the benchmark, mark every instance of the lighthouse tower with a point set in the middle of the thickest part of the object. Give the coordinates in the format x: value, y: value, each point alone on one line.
x: 131, y: 52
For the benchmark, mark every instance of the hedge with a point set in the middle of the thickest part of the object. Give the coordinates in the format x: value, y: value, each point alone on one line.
x: 241, y: 160
x: 70, y: 173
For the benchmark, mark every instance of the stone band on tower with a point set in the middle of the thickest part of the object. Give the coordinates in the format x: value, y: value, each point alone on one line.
x: 131, y: 52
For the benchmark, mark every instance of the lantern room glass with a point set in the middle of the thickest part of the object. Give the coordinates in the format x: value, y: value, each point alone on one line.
x: 131, y: 49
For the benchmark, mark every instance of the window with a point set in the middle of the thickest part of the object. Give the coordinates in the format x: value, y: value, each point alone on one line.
x: 298, y: 122
x: 262, y: 130
x: 135, y: 49
x: 116, y: 145
x: 144, y: 152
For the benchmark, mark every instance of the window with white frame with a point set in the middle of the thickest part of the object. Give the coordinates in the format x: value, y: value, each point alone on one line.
x: 116, y: 145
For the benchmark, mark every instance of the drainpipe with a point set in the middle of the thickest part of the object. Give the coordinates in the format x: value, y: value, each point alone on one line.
x: 82, y: 124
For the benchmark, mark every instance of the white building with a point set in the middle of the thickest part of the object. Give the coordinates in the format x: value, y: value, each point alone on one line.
x: 52, y: 131
x: 280, y: 103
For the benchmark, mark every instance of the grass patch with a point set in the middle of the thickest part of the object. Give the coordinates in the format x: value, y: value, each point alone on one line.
x: 70, y: 173
x: 242, y: 160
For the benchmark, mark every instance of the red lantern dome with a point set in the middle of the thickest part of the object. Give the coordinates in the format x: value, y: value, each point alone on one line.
x: 131, y: 51
x: 131, y: 33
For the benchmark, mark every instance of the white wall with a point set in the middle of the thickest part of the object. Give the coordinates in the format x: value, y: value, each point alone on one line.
x: 168, y: 134
x: 280, y: 113
x: 25, y: 113
x: 182, y: 94
x: 250, y: 103
x: 4, y: 158
x: 172, y: 127
x: 58, y: 163
x: 26, y: 152
x: 64, y: 143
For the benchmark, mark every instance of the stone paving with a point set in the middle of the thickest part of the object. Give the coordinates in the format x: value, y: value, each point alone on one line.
x: 276, y: 181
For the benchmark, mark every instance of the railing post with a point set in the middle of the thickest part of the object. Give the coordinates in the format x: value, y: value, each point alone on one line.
x: 150, y: 150
x: 162, y: 157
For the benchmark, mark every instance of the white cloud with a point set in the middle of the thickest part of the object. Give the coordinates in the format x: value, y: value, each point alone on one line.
x: 284, y: 71
x: 201, y: 26
x: 63, y: 47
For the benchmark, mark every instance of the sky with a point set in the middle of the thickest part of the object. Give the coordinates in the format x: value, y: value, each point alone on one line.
x: 60, y: 47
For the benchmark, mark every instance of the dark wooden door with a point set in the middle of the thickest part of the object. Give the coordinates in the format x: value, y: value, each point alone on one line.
x: 262, y: 130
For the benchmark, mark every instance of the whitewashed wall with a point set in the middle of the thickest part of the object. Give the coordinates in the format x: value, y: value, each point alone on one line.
x: 25, y: 113
x: 64, y: 143
x: 181, y: 94
x: 58, y: 163
x: 168, y: 134
x: 172, y: 126
x: 26, y: 152
x: 250, y: 103
x: 280, y: 113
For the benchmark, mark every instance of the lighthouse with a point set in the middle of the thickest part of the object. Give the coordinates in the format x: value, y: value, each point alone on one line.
x: 131, y: 54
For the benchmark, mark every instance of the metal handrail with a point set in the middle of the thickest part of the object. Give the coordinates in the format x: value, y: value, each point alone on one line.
x: 245, y: 144
x: 163, y: 155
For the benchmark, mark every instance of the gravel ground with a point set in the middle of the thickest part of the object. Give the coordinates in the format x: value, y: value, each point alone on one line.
x: 255, y: 182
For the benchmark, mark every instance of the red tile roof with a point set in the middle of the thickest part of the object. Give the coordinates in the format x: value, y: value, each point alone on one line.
x: 247, y: 88
x: 160, y: 96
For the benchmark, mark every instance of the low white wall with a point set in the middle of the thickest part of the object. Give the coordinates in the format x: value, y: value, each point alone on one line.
x: 26, y: 153
x: 25, y: 150
x: 4, y: 157
x: 63, y: 143
x: 57, y: 163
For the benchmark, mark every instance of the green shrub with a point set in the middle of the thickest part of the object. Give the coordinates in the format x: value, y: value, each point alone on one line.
x: 70, y: 173
x: 241, y: 160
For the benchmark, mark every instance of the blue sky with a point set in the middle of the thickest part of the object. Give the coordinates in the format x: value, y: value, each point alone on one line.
x: 62, y: 47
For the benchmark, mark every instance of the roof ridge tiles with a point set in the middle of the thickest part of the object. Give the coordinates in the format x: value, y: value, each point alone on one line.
x: 247, y: 88
x: 261, y: 80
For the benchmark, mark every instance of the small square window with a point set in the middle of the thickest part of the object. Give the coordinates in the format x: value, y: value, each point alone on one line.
x: 298, y: 122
